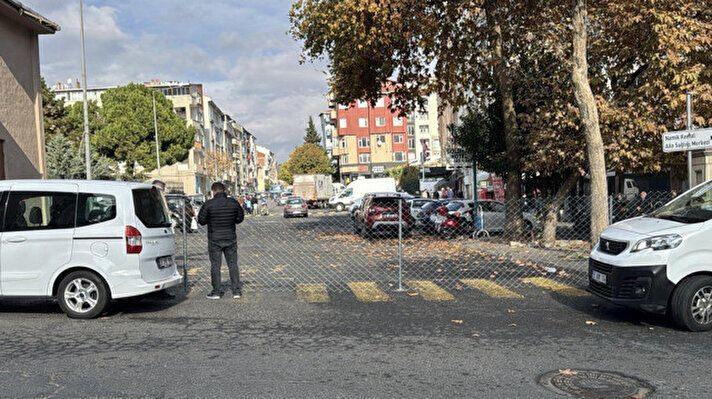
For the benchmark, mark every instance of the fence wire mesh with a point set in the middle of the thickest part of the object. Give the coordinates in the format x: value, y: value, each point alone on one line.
x: 447, y: 243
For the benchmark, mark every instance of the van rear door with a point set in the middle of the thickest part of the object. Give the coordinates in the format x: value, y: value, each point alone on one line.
x: 157, y: 239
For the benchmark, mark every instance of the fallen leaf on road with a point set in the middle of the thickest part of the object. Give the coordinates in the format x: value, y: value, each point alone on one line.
x: 412, y: 293
x: 513, y: 325
x: 456, y: 321
x: 511, y: 311
x: 568, y: 372
x: 591, y: 322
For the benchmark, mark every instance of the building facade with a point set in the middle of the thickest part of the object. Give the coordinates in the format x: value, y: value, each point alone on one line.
x: 370, y: 138
x: 429, y: 134
x: 266, y: 169
x: 22, y: 153
x: 223, y: 149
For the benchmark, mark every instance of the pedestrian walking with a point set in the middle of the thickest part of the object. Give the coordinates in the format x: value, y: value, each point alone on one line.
x: 222, y: 213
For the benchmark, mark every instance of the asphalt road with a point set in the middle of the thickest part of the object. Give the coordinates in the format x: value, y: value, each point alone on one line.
x: 271, y: 345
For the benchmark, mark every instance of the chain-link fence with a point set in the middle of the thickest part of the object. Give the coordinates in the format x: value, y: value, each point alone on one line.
x: 393, y: 241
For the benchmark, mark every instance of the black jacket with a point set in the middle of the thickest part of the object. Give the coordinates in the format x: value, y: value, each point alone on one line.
x: 221, y: 214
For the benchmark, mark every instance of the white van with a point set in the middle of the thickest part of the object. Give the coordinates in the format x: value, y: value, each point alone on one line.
x: 661, y: 262
x: 360, y: 187
x: 84, y: 242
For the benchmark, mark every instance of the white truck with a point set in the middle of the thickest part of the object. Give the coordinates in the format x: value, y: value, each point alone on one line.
x: 314, y: 189
x: 360, y: 187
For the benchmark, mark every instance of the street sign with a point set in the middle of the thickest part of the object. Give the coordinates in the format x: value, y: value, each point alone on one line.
x: 687, y: 140
x: 379, y: 169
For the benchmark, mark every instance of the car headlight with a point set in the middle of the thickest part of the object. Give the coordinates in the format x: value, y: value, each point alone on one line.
x: 658, y: 243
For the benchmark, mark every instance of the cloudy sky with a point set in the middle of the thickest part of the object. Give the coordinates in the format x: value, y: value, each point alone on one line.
x: 238, y: 49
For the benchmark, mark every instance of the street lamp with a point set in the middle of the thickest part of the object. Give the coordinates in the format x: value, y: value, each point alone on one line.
x: 87, y: 148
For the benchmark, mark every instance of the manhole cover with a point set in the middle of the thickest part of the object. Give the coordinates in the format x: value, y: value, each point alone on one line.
x: 594, y: 384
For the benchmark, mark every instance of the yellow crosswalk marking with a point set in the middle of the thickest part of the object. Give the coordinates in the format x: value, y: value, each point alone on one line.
x: 429, y: 290
x: 490, y: 288
x: 368, y: 291
x: 555, y: 286
x: 312, y: 293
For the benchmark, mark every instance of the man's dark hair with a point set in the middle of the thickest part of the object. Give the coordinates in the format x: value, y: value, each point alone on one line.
x: 217, y: 187
x: 161, y: 185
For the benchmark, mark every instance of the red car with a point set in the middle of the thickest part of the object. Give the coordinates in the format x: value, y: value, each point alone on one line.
x: 379, y: 215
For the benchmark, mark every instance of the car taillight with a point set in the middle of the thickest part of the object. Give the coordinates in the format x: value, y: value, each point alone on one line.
x: 134, y: 244
x: 442, y: 211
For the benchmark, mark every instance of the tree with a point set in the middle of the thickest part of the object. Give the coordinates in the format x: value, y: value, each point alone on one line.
x: 407, y: 177
x: 54, y: 113
x: 306, y: 159
x: 311, y: 135
x: 128, y: 134
x: 65, y: 160
x: 216, y: 162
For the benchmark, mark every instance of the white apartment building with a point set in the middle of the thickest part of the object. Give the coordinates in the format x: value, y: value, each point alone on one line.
x: 429, y: 135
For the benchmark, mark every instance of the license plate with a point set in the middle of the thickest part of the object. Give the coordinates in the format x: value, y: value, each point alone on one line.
x: 389, y: 215
x: 598, y: 277
x: 165, y: 262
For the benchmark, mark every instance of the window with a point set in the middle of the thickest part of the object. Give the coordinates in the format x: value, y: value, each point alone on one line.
x: 150, y: 207
x: 95, y: 208
x: 398, y: 157
x: 362, y: 104
x: 380, y: 103
x: 380, y: 121
x: 424, y: 130
x: 364, y: 142
x: 411, y: 144
x: 343, y: 142
x: 342, y: 123
x: 411, y: 130
x: 397, y: 121
x: 362, y: 122
x: 40, y: 211
x: 397, y: 138
x: 364, y: 158
x: 344, y: 159
x: 342, y: 106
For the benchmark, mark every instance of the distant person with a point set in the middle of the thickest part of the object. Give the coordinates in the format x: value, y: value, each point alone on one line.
x: 436, y: 195
x: 620, y: 207
x: 450, y: 193
x: 222, y: 213
x: 642, y: 205
x: 248, y: 204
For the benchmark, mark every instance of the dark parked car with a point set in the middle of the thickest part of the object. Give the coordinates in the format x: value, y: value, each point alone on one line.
x: 379, y: 215
x: 176, y: 203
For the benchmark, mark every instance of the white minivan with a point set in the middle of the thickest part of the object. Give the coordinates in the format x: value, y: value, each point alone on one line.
x: 84, y: 242
x: 661, y: 262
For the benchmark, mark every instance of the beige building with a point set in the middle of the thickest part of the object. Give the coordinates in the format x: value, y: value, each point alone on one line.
x: 22, y: 154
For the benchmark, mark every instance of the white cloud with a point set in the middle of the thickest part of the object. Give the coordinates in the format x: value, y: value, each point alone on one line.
x: 240, y: 52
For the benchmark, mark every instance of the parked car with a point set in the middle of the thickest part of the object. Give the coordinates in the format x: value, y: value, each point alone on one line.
x: 661, y: 262
x: 379, y: 215
x: 283, y: 197
x: 84, y: 242
x: 296, y: 206
x: 423, y: 217
x: 355, y: 206
x: 416, y: 204
x: 176, y: 203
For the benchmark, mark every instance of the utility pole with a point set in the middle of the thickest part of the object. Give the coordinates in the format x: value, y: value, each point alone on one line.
x: 87, y: 148
x: 155, y: 132
x: 689, y: 153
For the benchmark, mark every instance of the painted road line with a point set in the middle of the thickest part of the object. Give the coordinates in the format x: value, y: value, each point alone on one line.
x: 312, y: 293
x: 490, y: 288
x: 368, y: 291
x: 555, y: 286
x: 429, y: 290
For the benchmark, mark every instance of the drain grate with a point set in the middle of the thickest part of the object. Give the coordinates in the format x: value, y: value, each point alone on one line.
x: 594, y: 384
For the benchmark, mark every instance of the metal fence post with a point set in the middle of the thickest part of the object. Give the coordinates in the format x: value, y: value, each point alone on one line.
x: 185, y: 251
x: 400, y: 244
x: 610, y: 209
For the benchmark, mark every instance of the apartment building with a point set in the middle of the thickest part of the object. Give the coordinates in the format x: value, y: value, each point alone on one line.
x: 266, y: 168
x: 429, y: 134
x: 223, y: 149
x: 22, y: 154
x: 370, y: 138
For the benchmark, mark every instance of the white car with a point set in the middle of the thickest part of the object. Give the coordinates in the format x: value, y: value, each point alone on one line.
x: 661, y: 262
x: 84, y: 242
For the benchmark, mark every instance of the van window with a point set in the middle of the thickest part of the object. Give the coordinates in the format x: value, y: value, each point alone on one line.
x: 150, y: 208
x: 3, y: 198
x: 28, y: 211
x: 95, y: 208
x: 695, y: 206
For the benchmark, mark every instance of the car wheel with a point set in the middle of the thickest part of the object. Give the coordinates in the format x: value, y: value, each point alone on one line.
x: 691, y: 304
x: 82, y: 295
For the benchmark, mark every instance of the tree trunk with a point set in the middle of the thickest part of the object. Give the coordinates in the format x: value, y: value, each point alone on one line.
x: 513, y: 194
x: 589, y: 120
x: 551, y: 214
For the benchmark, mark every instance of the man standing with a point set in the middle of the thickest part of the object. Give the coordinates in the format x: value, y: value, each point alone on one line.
x: 222, y: 214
